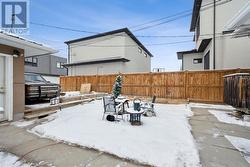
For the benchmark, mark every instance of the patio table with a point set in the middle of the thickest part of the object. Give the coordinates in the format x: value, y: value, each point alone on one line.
x: 135, y: 117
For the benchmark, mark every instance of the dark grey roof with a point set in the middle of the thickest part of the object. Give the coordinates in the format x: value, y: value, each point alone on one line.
x: 98, y: 61
x: 126, y: 30
x: 204, y: 44
x: 195, y: 15
x: 180, y: 54
x: 202, y: 48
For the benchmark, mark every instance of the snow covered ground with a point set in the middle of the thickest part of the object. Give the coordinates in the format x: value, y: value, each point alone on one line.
x: 9, y: 160
x: 39, y: 105
x: 226, y: 118
x: 163, y: 141
x: 243, y: 145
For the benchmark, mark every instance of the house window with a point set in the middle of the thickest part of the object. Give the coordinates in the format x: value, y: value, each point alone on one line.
x: 145, y: 54
x: 31, y: 61
x: 197, y: 61
x: 139, y: 50
x: 60, y: 65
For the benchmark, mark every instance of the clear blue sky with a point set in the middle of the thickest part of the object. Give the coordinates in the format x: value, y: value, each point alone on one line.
x: 107, y: 15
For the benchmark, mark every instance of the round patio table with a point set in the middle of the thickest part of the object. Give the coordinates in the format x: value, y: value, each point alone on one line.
x: 135, y: 117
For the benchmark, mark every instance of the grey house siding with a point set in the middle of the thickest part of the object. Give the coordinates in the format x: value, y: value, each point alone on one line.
x: 47, y: 65
x: 53, y: 67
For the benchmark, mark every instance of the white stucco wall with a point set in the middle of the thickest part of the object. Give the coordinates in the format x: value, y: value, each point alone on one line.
x: 90, y: 50
x: 97, y: 48
x: 230, y: 52
x: 100, y: 69
x: 188, y: 62
x: 139, y: 62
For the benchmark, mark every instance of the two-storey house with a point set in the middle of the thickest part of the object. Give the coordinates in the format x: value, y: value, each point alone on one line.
x: 220, y: 43
x: 117, y: 51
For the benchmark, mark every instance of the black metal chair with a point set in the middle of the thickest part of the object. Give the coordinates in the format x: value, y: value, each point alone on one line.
x: 111, y: 107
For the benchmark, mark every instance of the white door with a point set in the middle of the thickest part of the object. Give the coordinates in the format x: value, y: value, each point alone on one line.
x: 6, y: 87
x: 2, y: 87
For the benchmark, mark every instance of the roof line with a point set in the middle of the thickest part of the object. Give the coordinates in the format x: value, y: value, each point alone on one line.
x: 180, y: 54
x: 195, y: 15
x: 111, y: 60
x: 126, y: 30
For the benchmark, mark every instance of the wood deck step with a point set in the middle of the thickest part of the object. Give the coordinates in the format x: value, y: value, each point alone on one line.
x: 38, y: 114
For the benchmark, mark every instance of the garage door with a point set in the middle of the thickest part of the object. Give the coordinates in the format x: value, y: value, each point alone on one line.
x: 2, y: 87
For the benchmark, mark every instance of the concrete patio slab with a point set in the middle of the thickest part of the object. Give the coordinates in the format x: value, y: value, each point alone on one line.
x: 46, y: 152
x: 214, y: 149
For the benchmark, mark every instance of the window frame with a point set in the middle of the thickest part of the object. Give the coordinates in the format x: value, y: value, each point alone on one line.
x: 199, y: 60
x: 140, y: 50
x: 31, y: 61
x: 60, y: 65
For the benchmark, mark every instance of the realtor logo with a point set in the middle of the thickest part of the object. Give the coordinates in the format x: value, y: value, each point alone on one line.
x: 14, y: 16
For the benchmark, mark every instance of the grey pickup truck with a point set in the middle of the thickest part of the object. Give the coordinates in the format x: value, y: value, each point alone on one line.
x: 37, y: 88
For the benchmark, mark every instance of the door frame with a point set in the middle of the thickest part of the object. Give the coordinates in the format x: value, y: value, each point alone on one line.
x: 8, y: 113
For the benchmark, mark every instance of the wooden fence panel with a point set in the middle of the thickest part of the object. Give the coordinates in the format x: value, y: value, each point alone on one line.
x: 158, y: 86
x: 201, y: 86
x: 175, y: 86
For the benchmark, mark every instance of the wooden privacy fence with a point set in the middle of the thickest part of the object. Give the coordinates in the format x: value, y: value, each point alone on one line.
x: 237, y: 90
x: 204, y: 86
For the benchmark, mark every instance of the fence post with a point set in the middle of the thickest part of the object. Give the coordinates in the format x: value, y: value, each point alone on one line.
x: 185, y: 84
x: 151, y: 84
x: 97, y: 83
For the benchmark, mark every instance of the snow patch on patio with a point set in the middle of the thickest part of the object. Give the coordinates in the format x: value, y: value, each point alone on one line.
x: 23, y: 123
x: 72, y: 94
x: 10, y: 160
x: 37, y: 106
x: 164, y: 140
x: 243, y: 145
x: 211, y: 106
x: 225, y: 117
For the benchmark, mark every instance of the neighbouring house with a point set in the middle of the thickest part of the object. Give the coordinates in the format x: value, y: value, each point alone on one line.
x: 49, y: 66
x: 117, y: 51
x: 13, y: 51
x: 217, y: 26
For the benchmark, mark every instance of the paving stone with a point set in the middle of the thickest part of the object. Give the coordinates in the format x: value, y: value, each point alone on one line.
x: 214, y: 149
x: 46, y: 152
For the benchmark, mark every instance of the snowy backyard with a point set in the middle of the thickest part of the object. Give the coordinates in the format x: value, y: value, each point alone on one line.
x: 10, y: 160
x: 164, y: 140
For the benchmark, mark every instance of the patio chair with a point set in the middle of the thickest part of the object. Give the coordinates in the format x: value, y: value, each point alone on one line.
x: 148, y: 107
x: 110, y: 107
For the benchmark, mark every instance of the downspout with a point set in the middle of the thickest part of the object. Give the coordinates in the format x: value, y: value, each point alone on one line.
x: 68, y: 59
x: 182, y: 66
x: 50, y: 64
x: 214, y: 32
